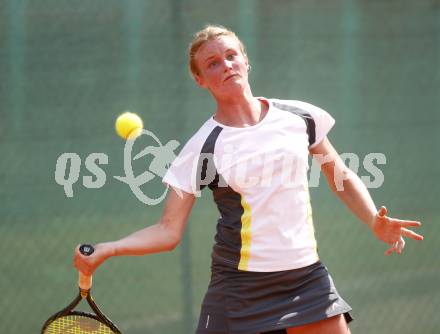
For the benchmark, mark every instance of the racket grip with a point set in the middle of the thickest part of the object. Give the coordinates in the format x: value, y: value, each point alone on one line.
x: 85, y: 281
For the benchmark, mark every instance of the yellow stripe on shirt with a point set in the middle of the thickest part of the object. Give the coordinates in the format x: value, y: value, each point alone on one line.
x: 245, y: 234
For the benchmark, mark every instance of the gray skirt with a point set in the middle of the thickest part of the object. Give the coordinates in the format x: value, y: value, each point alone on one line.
x: 242, y: 302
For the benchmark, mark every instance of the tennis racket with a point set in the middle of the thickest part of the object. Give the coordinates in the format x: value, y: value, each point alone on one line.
x: 68, y: 321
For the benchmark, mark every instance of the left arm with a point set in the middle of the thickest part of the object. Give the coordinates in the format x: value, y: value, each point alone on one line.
x: 353, y: 193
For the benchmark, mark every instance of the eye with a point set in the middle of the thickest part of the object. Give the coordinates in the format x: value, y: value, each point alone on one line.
x: 230, y: 56
x: 212, y: 64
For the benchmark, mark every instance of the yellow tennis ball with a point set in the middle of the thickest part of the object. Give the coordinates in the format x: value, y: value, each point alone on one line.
x: 128, y: 125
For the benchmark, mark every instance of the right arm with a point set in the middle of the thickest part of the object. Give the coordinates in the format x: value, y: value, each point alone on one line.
x: 163, y: 236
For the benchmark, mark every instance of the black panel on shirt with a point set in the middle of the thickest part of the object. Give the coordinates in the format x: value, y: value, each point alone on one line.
x: 227, y: 247
x: 206, y: 171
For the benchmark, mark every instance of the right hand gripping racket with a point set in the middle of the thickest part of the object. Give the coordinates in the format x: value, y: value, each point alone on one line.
x: 68, y: 321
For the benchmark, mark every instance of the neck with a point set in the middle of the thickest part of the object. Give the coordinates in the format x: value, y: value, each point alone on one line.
x: 242, y: 111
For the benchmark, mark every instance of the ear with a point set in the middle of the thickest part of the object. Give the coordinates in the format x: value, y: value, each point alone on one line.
x: 246, y: 60
x: 199, y: 80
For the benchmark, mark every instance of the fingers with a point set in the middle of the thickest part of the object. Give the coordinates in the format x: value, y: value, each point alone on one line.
x: 76, y: 255
x: 410, y: 223
x: 397, y: 247
x: 402, y: 224
x: 405, y: 223
x: 391, y: 249
x: 397, y: 222
x: 81, y: 262
x: 411, y: 234
x: 400, y: 245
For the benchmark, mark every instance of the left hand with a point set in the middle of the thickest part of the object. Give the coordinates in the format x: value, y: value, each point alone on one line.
x: 392, y: 231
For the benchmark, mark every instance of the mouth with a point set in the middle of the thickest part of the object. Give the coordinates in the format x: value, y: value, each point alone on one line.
x: 230, y: 76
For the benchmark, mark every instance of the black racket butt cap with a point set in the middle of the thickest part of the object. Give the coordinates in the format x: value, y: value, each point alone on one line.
x: 86, y: 249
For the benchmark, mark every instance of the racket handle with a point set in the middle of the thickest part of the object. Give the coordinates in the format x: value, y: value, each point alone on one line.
x: 85, y: 281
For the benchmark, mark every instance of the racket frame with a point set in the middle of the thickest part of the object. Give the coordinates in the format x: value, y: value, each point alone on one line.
x: 99, y: 316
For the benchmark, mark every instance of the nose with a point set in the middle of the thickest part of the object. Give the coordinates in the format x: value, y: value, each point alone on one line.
x: 227, y: 64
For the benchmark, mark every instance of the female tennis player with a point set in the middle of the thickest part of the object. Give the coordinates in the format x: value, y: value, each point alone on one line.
x: 253, y: 155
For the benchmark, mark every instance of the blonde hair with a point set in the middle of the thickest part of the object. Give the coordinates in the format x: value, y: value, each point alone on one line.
x: 210, y: 32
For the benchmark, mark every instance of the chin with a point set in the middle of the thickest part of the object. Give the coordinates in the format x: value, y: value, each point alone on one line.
x: 233, y: 87
x: 232, y: 93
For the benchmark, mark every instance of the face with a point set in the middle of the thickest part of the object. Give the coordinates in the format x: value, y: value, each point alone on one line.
x: 223, y: 68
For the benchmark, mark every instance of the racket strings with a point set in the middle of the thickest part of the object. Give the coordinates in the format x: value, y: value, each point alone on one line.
x: 76, y: 324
